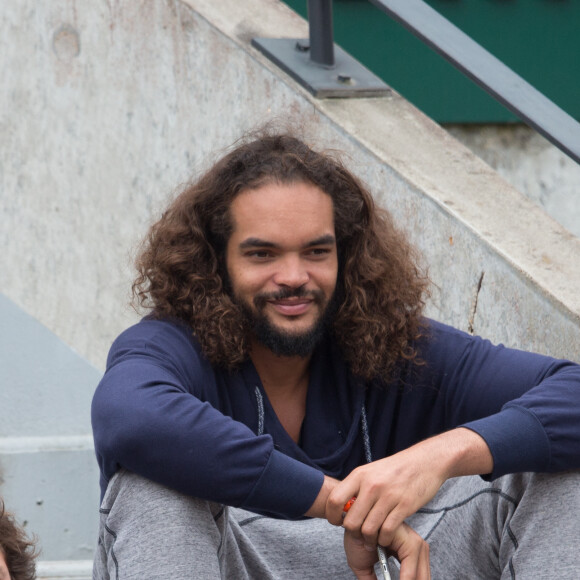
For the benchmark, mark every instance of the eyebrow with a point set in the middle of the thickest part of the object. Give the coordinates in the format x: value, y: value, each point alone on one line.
x: 326, y: 240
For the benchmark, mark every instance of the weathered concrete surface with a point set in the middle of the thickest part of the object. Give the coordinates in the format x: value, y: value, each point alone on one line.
x: 531, y: 164
x: 468, y: 221
x: 56, y: 494
x: 107, y: 106
x: 48, y: 472
x: 65, y: 570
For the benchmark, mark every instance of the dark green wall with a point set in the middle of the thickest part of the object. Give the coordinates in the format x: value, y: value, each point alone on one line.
x: 539, y: 39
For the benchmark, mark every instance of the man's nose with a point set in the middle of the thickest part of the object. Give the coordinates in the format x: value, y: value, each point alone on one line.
x: 291, y: 272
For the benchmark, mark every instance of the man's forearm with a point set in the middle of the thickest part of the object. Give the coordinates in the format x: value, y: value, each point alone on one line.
x: 464, y: 451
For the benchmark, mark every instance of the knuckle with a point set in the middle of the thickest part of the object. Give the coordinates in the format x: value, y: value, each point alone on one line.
x: 350, y: 527
x: 385, y: 539
x: 417, y: 541
x: 388, y: 528
x: 332, y: 501
x: 356, y: 472
x: 368, y: 531
x: 405, y: 504
x: 386, y: 536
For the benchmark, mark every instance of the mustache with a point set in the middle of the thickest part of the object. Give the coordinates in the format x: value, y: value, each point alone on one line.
x: 261, y: 299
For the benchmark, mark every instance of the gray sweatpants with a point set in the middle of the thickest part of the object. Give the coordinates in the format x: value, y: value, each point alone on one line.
x: 524, y: 526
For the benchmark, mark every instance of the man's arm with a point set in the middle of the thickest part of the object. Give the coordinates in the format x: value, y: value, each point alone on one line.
x: 526, y: 406
x: 148, y: 416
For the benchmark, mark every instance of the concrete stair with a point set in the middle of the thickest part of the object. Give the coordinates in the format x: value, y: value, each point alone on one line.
x: 48, y: 471
x: 65, y: 570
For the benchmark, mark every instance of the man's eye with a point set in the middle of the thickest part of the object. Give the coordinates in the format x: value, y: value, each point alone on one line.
x: 319, y: 251
x: 260, y: 254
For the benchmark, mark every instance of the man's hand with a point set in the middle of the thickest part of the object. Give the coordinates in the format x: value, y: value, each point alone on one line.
x: 387, y: 492
x: 391, y: 489
x: 407, y: 546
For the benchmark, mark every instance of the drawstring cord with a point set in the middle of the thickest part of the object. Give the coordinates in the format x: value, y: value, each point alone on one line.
x: 260, y: 401
x: 364, y: 424
x: 368, y: 457
x: 365, y: 434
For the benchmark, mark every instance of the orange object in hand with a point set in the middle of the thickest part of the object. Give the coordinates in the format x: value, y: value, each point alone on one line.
x: 349, y: 504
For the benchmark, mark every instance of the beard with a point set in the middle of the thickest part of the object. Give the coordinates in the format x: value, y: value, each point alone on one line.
x: 282, y: 342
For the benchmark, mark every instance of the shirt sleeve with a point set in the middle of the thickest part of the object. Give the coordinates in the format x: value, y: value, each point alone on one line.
x: 148, y: 419
x: 525, y: 406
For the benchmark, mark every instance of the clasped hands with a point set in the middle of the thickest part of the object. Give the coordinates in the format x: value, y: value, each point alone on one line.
x: 390, y: 490
x: 387, y: 491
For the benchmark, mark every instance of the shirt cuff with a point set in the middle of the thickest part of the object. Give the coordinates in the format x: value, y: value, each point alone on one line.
x: 516, y: 439
x: 286, y: 487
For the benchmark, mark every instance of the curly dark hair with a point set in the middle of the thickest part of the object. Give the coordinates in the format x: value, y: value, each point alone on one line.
x: 18, y: 551
x: 381, y: 289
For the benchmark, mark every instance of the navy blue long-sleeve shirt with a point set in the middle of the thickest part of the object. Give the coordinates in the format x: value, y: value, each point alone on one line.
x: 162, y: 411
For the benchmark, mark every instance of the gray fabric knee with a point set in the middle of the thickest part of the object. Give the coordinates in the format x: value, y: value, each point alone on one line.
x: 149, y: 531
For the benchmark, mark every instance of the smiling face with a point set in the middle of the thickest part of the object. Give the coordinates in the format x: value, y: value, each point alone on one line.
x: 282, y: 263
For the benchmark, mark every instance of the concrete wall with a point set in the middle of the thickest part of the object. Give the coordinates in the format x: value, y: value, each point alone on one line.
x: 105, y: 107
x: 531, y: 164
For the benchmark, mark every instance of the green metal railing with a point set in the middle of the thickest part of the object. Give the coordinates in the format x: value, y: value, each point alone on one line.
x: 327, y: 71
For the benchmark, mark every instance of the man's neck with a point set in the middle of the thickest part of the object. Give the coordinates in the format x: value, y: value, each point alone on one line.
x: 279, y: 373
x: 285, y: 380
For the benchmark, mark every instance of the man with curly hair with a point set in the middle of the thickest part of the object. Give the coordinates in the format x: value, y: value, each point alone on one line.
x: 286, y: 368
x: 17, y: 553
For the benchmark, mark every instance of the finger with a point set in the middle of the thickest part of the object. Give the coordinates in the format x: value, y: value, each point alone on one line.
x: 420, y: 568
x: 356, y: 517
x: 416, y: 566
x: 424, y: 568
x: 361, y: 561
x: 390, y: 524
x: 346, y: 508
x: 373, y: 524
x: 413, y: 553
x: 337, y: 499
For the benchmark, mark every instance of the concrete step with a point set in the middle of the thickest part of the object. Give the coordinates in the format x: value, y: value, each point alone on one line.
x: 48, y: 473
x: 51, y: 485
x: 64, y: 569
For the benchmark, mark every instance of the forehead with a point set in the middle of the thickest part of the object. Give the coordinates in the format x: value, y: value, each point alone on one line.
x: 283, y: 210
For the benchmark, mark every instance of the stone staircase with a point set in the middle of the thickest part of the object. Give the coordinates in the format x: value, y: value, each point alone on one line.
x: 48, y: 472
x: 65, y: 570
